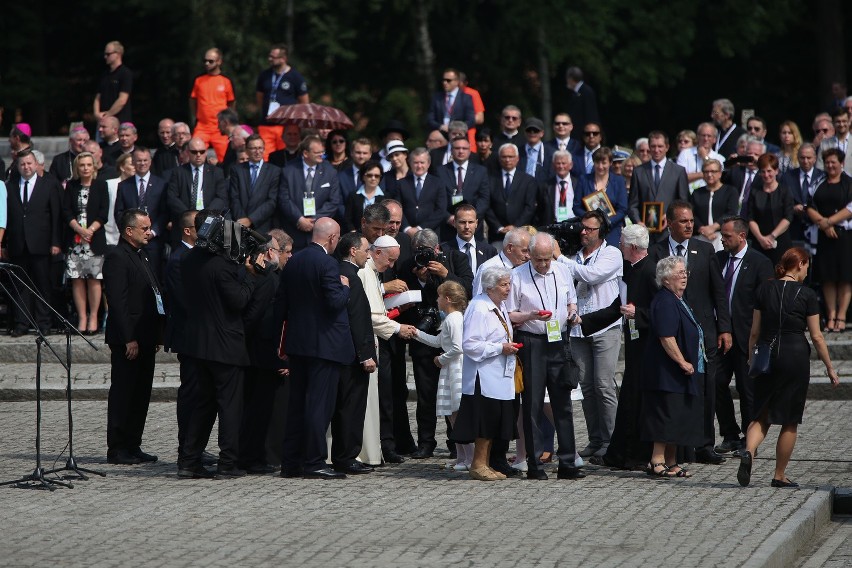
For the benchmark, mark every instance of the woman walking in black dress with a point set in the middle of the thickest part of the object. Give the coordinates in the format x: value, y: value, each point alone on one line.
x: 784, y: 308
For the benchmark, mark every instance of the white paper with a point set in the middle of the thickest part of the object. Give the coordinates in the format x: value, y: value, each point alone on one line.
x: 409, y: 297
x: 622, y: 292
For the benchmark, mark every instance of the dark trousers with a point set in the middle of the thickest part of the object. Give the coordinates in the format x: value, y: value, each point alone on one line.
x: 625, y: 448
x: 733, y: 363
x: 545, y: 367
x: 710, y: 399
x: 313, y: 393
x: 264, y: 411
x: 394, y: 428
x: 347, y: 423
x: 37, y: 266
x: 220, y: 391
x: 426, y: 381
x: 129, y: 395
x: 187, y: 396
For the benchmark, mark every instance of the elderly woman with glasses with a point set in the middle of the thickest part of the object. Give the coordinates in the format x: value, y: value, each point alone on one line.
x: 712, y: 203
x: 672, y: 407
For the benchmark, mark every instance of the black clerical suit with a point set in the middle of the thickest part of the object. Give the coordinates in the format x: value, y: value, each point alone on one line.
x: 216, y: 291
x: 347, y: 423
x: 422, y: 356
x: 751, y: 270
x: 174, y: 339
x: 212, y: 191
x: 131, y: 291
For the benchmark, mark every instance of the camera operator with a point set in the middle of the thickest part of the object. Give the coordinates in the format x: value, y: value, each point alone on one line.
x: 596, y: 268
x: 217, y: 291
x: 266, y: 391
x: 427, y: 269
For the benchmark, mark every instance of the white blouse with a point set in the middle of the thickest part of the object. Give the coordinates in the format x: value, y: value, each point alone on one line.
x: 482, y: 343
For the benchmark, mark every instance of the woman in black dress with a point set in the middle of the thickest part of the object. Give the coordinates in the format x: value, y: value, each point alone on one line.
x: 770, y: 211
x: 779, y: 397
x: 828, y: 210
x: 712, y: 203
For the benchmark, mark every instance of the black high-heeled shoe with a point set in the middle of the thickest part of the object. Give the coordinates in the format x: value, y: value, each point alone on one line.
x: 744, y: 473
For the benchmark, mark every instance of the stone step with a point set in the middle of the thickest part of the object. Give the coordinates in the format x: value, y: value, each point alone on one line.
x: 90, y: 381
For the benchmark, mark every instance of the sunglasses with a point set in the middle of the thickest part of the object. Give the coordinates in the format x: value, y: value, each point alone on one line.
x: 209, y: 61
x: 591, y: 133
x: 446, y: 80
x: 511, y: 117
x: 198, y: 152
x: 561, y: 124
x: 338, y: 141
x: 823, y: 130
x: 371, y: 175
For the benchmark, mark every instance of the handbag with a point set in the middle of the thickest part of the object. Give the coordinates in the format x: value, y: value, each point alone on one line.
x: 761, y: 358
x: 519, y: 376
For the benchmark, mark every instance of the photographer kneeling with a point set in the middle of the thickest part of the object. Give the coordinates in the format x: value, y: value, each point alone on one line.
x: 427, y: 269
x: 219, y: 276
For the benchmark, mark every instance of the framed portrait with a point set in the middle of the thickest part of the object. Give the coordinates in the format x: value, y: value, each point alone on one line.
x: 599, y: 200
x: 652, y: 216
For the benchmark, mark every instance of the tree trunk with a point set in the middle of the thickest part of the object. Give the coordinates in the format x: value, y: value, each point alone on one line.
x: 424, y: 43
x: 831, y: 44
x: 544, y: 79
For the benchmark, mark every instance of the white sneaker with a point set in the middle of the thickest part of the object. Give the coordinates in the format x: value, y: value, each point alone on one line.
x: 520, y: 465
x: 461, y: 467
x: 578, y: 462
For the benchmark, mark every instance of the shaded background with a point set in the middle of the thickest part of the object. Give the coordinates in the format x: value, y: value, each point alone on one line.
x: 653, y: 64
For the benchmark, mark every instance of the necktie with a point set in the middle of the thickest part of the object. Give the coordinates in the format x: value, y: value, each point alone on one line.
x: 459, y: 178
x: 418, y: 187
x: 710, y: 209
x: 563, y: 194
x: 26, y: 193
x: 195, y: 188
x: 806, y: 189
x: 469, y: 256
x: 309, y: 182
x: 141, y: 192
x: 729, y: 277
x: 680, y: 249
x: 254, y: 168
x: 449, y: 105
x: 561, y: 145
x: 357, y: 178
x: 746, y: 193
x: 532, y: 160
x: 589, y: 163
x: 657, y: 176
x: 508, y: 183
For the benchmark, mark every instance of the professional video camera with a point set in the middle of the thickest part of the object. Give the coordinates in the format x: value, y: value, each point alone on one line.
x: 424, y: 255
x: 230, y: 239
x: 567, y: 234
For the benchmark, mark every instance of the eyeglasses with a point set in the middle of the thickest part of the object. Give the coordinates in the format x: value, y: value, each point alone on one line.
x: 448, y: 80
x: 108, y: 53
x: 508, y: 117
x: 712, y: 171
x: 682, y: 273
x: 592, y: 133
x: 209, y: 61
x: 823, y: 130
x: 533, y: 130
x: 754, y: 128
x: 588, y: 229
x: 561, y: 124
x: 198, y: 152
x: 372, y: 176
x: 338, y: 141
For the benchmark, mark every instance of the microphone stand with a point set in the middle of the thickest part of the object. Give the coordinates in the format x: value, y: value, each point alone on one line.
x: 36, y: 479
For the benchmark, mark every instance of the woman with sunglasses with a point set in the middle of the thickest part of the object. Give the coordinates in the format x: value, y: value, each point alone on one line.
x: 337, y: 149
x: 367, y: 194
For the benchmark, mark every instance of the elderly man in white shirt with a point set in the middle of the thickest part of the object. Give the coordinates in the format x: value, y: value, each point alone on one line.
x: 597, y: 268
x: 515, y: 252
x: 543, y: 304
x: 692, y: 159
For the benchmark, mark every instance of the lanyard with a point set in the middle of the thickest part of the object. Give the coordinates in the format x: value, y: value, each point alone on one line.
x: 540, y: 297
x: 275, y: 82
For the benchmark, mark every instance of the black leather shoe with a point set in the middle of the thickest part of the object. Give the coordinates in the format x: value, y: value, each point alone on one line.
x: 706, y: 456
x: 123, y: 457
x: 260, y: 469
x: 744, y: 472
x: 232, y: 471
x: 784, y: 483
x: 421, y: 454
x: 143, y: 456
x: 537, y: 474
x: 729, y: 446
x: 356, y: 468
x: 407, y: 450
x: 391, y: 456
x: 325, y: 473
x: 570, y: 473
x: 198, y: 472
x: 208, y: 459
x: 505, y: 469
x: 18, y: 332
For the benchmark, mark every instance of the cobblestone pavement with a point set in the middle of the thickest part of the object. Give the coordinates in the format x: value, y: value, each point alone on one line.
x: 413, y: 514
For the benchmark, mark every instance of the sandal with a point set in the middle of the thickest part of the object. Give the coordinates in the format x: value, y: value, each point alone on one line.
x: 652, y: 470
x: 838, y: 329
x: 681, y: 471
x: 829, y: 328
x: 545, y: 457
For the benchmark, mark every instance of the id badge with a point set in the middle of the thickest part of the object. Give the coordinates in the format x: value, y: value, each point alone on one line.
x: 562, y: 213
x: 273, y: 106
x: 509, y: 371
x: 309, y: 206
x: 554, y: 334
x: 634, y: 333
x: 160, y: 309
x: 457, y: 199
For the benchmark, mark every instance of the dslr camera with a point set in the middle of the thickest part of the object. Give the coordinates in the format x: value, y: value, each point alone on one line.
x: 231, y: 240
x: 424, y: 255
x: 429, y: 319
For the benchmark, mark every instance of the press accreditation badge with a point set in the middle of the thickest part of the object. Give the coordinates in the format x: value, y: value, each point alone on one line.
x: 634, y: 333
x: 273, y: 106
x: 553, y: 332
x: 160, y: 309
x: 309, y: 206
x: 562, y: 213
x: 457, y: 199
x: 509, y: 371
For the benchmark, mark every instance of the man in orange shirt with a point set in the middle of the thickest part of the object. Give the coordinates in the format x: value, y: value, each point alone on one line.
x: 211, y: 93
x: 478, y: 108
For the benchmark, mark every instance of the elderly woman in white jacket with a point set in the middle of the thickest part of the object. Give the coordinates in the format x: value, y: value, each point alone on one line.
x: 488, y: 370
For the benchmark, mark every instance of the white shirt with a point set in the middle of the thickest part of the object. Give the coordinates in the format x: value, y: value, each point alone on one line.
x: 500, y: 260
x: 461, y: 243
x: 688, y: 158
x: 199, y: 204
x: 463, y: 167
x: 482, y: 343
x: 30, y: 185
x: 569, y: 196
x: 532, y: 291
x: 597, y: 276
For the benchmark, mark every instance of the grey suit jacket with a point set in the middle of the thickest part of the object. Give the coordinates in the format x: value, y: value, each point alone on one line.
x: 673, y: 185
x: 258, y: 203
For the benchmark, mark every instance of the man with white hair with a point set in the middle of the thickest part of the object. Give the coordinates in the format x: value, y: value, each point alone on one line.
x: 692, y: 159
x: 543, y: 304
x: 515, y: 252
x: 60, y: 168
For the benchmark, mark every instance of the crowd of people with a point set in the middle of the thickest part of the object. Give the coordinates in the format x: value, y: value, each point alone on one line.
x: 674, y: 259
